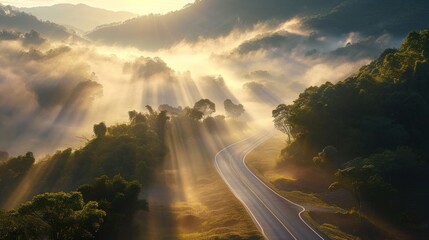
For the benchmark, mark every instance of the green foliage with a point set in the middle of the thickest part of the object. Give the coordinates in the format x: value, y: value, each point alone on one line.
x: 388, y: 180
x: 233, y: 110
x: 119, y: 199
x: 100, y: 130
x: 12, y: 171
x: 133, y: 150
x: 53, y: 216
x: 329, y: 155
x: 205, y: 106
x: 384, y: 106
x: 281, y: 120
x: 193, y: 114
x: 369, y: 118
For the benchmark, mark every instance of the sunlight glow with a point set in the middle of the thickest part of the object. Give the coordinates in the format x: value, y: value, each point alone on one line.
x: 136, y: 6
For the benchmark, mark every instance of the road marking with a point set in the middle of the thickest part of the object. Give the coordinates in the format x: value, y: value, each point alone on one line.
x: 302, y: 207
x: 247, y: 150
x: 250, y: 149
x: 232, y: 190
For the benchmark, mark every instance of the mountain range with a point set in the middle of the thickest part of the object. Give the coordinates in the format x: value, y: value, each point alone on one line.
x: 207, y: 19
x: 80, y: 16
x: 214, y: 18
x: 13, y: 19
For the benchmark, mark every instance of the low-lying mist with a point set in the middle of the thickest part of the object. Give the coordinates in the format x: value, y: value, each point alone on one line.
x: 51, y: 93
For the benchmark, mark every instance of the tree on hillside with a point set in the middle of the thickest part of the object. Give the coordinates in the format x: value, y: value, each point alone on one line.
x: 120, y: 199
x: 161, y: 123
x: 136, y: 117
x: 281, y: 120
x: 12, y: 171
x: 233, y: 110
x: 172, y: 111
x: 100, y: 130
x: 205, y: 106
x: 53, y: 216
x: 193, y: 113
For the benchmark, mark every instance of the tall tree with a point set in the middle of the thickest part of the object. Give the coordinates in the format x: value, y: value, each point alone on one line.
x: 100, y: 130
x: 205, y: 106
x: 233, y: 110
x: 54, y: 216
x: 120, y: 199
x: 281, y: 120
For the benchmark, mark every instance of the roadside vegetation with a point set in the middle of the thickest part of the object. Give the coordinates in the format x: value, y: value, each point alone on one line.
x: 366, y: 135
x: 99, y: 190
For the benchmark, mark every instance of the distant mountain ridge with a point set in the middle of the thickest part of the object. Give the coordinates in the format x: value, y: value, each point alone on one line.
x: 79, y: 16
x: 12, y: 19
x: 214, y: 18
x: 205, y: 18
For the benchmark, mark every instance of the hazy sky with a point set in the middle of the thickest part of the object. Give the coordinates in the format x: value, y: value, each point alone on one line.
x: 136, y: 6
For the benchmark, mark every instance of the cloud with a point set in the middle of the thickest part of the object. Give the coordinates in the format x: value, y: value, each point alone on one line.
x: 41, y: 91
x: 146, y: 68
x: 358, y: 49
x: 69, y: 87
x: 279, y: 41
x: 215, y: 89
x: 259, y: 74
x: 260, y: 92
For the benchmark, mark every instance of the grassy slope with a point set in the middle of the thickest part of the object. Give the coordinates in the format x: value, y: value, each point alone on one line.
x: 212, y: 213
x: 199, y: 205
x: 330, y: 212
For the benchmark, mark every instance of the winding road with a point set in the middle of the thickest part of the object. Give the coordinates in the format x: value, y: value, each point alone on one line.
x: 275, y: 216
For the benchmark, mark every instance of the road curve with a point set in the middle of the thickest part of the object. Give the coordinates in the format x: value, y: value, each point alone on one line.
x: 275, y: 216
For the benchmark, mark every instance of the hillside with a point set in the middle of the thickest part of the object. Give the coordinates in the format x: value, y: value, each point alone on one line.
x: 369, y: 17
x: 214, y: 18
x: 207, y: 18
x: 373, y: 128
x: 15, y: 20
x: 79, y: 16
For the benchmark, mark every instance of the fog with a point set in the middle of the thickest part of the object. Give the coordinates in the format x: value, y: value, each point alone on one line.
x: 51, y: 93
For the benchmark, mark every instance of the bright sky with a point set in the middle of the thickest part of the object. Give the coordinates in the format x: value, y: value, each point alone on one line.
x: 136, y: 6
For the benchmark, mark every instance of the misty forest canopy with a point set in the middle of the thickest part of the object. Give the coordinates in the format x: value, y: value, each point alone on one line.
x: 214, y: 18
x: 12, y: 19
x: 133, y: 150
x: 104, y: 208
x: 373, y: 126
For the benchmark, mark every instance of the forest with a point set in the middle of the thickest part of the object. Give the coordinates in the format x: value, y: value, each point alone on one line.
x: 370, y: 131
x: 93, y: 192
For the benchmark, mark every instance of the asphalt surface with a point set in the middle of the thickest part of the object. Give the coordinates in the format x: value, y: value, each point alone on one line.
x: 275, y: 216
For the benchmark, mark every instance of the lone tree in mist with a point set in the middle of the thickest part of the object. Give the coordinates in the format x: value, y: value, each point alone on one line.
x: 233, y: 110
x: 100, y: 130
x: 281, y: 120
x: 205, y: 106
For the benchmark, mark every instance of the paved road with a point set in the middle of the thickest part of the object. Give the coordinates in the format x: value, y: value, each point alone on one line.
x: 275, y: 216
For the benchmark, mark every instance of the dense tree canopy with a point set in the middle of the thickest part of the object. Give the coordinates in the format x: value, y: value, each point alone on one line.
x: 100, y: 130
x: 373, y: 126
x: 205, y: 106
x: 119, y: 199
x: 233, y: 110
x: 134, y: 150
x: 13, y: 171
x: 53, y: 216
